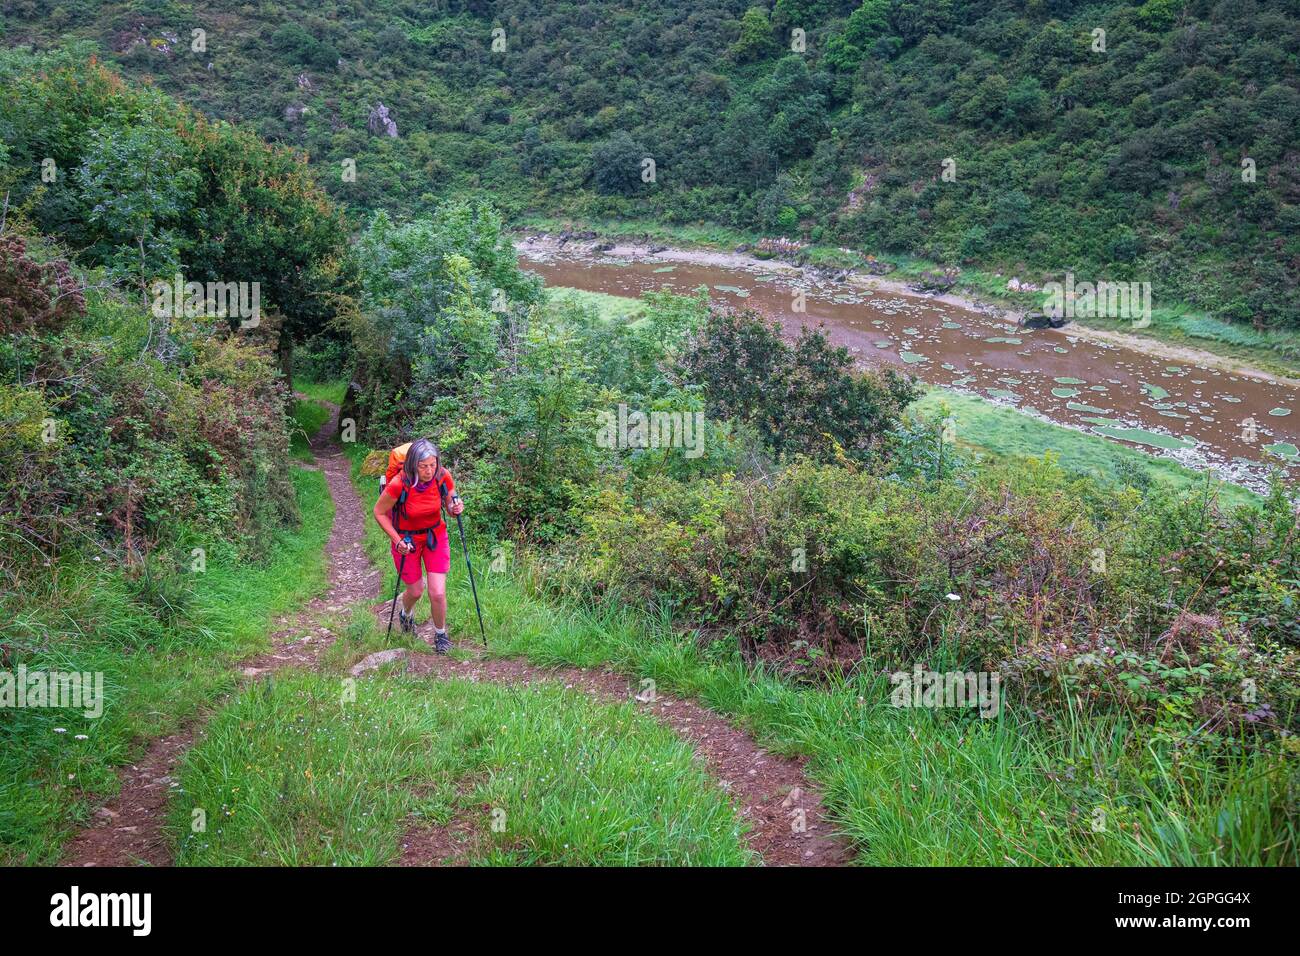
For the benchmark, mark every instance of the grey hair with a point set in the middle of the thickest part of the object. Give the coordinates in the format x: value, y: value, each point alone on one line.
x: 420, y: 449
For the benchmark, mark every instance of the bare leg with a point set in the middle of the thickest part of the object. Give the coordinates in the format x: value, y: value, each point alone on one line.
x: 438, y: 599
x: 412, y: 594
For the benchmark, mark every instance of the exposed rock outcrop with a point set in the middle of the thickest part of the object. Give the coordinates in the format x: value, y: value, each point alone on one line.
x: 380, y: 122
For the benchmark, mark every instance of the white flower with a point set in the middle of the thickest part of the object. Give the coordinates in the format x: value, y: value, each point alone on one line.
x: 98, y: 558
x: 60, y: 730
x: 82, y: 737
x: 953, y: 597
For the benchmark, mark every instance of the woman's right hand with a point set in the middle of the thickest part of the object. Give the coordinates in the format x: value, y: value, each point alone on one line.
x: 403, y: 546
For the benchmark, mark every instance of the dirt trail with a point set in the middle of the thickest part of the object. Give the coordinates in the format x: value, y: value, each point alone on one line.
x: 766, y: 789
x: 129, y: 830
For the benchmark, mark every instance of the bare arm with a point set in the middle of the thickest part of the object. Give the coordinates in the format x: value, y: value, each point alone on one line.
x: 384, y: 517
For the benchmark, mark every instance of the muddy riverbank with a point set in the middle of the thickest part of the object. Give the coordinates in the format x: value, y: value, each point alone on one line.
x: 1200, y: 409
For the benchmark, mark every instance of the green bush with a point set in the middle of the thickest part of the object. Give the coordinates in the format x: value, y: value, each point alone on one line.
x: 1072, y: 589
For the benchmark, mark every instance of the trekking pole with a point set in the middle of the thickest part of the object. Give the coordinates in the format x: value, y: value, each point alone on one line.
x: 474, y: 589
x: 393, y: 610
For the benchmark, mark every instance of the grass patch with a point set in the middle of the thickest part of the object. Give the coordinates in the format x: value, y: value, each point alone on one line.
x: 308, y: 417
x: 162, y: 663
x: 608, y: 307
x: 331, y: 391
x: 1007, y: 433
x: 331, y: 781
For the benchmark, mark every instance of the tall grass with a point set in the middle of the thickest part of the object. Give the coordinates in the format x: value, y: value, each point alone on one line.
x: 933, y: 787
x: 331, y: 391
x: 159, y: 669
x: 918, y: 786
x: 308, y: 415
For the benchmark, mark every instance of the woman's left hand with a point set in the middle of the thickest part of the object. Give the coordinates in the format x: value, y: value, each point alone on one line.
x: 456, y: 508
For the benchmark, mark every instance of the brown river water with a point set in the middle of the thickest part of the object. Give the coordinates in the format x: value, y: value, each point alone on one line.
x: 1207, y: 418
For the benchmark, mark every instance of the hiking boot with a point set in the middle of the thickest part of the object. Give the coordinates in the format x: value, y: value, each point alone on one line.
x: 408, y: 622
x: 442, y: 643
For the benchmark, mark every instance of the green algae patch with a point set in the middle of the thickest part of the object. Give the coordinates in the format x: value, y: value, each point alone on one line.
x: 1142, y: 436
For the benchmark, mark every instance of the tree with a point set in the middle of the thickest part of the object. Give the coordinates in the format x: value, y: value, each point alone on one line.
x: 543, y: 422
x: 846, y: 49
x: 616, y: 165
x: 435, y: 292
x: 795, y: 107
x: 1027, y: 105
x: 755, y: 40
x: 803, y: 400
x: 135, y: 183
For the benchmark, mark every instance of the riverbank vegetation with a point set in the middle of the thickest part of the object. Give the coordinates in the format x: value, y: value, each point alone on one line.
x: 1276, y: 351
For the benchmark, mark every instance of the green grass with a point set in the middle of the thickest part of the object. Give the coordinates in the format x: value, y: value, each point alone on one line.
x: 162, y: 661
x: 1007, y: 433
x: 308, y: 417
x: 331, y: 391
x: 328, y: 782
x: 608, y: 307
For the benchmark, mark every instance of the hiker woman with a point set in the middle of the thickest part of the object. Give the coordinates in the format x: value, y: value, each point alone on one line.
x: 420, y: 536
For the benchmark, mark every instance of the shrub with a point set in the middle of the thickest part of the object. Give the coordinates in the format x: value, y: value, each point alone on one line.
x: 803, y: 399
x: 1069, y: 588
x: 35, y: 297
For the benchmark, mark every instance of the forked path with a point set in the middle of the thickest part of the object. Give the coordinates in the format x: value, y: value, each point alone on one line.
x: 130, y: 829
x: 787, y: 824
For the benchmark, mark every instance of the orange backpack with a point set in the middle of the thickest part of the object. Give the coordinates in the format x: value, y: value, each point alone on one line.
x: 396, y: 458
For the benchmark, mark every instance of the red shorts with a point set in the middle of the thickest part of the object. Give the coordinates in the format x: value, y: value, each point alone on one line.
x: 436, y: 560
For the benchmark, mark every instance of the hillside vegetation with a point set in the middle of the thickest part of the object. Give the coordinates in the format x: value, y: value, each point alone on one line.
x: 1161, y: 149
